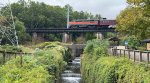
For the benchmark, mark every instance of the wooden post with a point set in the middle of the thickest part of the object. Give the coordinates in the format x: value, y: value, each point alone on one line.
x: 117, y: 52
x: 120, y: 52
x: 148, y: 57
x: 21, y: 60
x: 124, y: 52
x: 15, y: 55
x: 4, y: 57
x: 113, y: 52
x: 9, y: 56
x: 129, y: 53
x: 140, y: 56
x: 134, y: 56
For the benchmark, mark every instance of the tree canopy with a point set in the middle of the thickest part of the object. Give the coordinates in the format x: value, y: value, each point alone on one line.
x: 41, y: 15
x: 32, y: 14
x: 135, y: 19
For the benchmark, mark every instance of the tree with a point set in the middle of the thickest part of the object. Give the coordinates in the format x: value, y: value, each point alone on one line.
x: 40, y: 15
x: 7, y: 28
x: 22, y: 35
x: 98, y: 16
x: 134, y: 20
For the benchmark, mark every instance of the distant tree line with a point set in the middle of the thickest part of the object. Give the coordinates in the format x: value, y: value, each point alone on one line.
x: 40, y: 15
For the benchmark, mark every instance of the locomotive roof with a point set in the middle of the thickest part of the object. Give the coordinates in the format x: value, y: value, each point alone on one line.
x: 92, y: 20
x: 86, y: 20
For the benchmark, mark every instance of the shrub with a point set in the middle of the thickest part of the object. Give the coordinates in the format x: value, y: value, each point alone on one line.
x: 96, y: 47
x: 31, y: 72
x: 98, y: 67
x: 44, y: 66
x: 10, y: 48
x: 133, y: 42
x: 113, y: 70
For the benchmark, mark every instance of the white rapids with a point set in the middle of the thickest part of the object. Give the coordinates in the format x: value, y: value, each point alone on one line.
x: 72, y: 75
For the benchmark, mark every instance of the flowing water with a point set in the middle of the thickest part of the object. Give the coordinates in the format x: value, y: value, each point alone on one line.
x: 72, y: 72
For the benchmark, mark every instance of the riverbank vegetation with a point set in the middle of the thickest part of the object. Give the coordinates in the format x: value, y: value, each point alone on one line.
x: 43, y: 66
x: 98, y: 66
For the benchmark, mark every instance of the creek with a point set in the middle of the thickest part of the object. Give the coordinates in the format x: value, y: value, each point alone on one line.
x: 72, y: 73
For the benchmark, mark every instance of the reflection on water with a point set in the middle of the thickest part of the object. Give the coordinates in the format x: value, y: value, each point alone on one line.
x: 72, y: 74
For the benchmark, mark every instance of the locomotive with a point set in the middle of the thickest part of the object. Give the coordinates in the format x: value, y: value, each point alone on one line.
x: 84, y: 23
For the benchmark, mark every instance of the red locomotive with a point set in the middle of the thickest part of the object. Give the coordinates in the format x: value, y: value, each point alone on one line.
x: 92, y: 23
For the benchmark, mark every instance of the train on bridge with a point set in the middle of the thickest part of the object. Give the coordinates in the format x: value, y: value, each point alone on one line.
x: 84, y: 23
x: 80, y: 26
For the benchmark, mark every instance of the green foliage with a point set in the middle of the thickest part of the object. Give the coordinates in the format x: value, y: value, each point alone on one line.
x: 134, y: 20
x: 110, y: 35
x: 13, y: 49
x: 10, y: 48
x: 113, y: 70
x: 52, y: 60
x: 6, y: 24
x: 44, y: 66
x: 40, y: 15
x: 12, y: 72
x: 96, y: 47
x: 21, y: 32
x: 133, y: 42
x: 56, y: 45
x: 47, y: 45
x: 89, y: 36
x: 32, y: 14
x: 106, y: 69
x: 80, y: 40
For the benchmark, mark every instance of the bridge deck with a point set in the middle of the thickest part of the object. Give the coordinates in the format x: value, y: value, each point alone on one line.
x: 62, y: 30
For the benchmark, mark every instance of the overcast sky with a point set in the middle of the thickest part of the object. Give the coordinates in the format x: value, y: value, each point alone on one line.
x: 107, y: 8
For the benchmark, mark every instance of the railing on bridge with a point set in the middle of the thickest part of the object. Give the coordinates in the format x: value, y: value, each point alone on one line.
x: 135, y: 55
